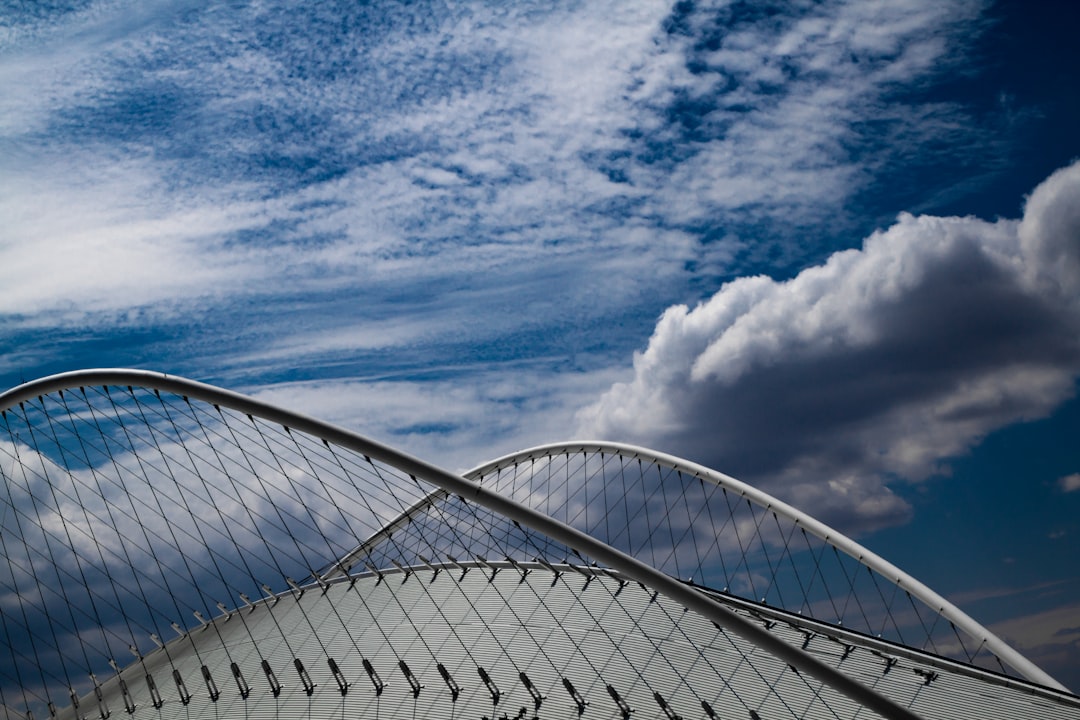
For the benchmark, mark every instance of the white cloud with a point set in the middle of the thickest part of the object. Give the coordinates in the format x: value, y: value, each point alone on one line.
x: 454, y: 142
x: 436, y: 178
x: 1050, y: 639
x: 1069, y: 483
x: 458, y: 423
x: 110, y: 242
x: 784, y: 102
x: 883, y: 362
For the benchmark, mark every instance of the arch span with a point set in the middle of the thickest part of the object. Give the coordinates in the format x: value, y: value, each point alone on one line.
x: 503, y: 474
x: 134, y: 501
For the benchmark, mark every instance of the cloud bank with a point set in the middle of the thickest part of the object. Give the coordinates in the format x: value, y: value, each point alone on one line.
x: 877, y: 366
x: 260, y: 146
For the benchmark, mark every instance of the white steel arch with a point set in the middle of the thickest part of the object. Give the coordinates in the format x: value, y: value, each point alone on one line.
x: 478, y: 488
x: 982, y: 637
x: 833, y: 537
x: 458, y: 485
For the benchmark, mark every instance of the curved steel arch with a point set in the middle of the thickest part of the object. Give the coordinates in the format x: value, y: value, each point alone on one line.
x: 903, y: 580
x: 470, y: 486
x: 629, y: 566
x: 833, y: 537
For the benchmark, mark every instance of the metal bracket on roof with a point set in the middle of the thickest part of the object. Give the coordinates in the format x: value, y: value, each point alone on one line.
x: 623, y: 707
x: 581, y: 702
x: 928, y: 676
x: 374, y: 571
x: 455, y: 690
x: 103, y: 707
x: 305, y: 677
x: 375, y: 679
x: 295, y: 586
x: 320, y: 582
x: 275, y: 684
x: 585, y: 572
x: 434, y: 570
x: 533, y: 692
x: 494, y: 570
x: 889, y: 661
x: 414, y: 683
x: 453, y: 561
x: 517, y: 566
x: 181, y: 686
x: 623, y: 582
x: 241, y: 682
x: 405, y: 571
x: 155, y: 694
x: 669, y: 712
x: 270, y: 593
x: 492, y: 688
x: 211, y: 686
x: 129, y: 702
x: 552, y: 568
x: 339, y: 677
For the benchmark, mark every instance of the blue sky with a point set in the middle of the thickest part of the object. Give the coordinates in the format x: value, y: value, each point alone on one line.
x: 829, y: 248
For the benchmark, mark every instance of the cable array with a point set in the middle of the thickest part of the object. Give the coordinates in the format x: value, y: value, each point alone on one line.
x: 167, y: 556
x: 697, y: 528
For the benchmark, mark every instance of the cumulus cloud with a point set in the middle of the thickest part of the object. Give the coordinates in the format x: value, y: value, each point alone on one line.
x: 1069, y: 483
x: 878, y: 365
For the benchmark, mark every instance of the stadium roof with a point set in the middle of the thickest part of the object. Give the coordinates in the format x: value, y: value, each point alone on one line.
x: 176, y: 550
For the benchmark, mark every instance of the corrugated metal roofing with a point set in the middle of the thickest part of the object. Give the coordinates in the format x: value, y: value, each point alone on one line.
x: 130, y: 511
x: 659, y: 659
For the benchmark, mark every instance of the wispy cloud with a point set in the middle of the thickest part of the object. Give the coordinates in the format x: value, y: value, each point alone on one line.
x: 880, y: 364
x: 1051, y: 639
x: 367, y: 191
x: 254, y: 149
x: 460, y: 423
x: 1069, y: 483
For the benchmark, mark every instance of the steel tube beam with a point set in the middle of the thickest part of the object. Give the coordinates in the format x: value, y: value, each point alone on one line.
x: 473, y: 492
x: 841, y: 542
